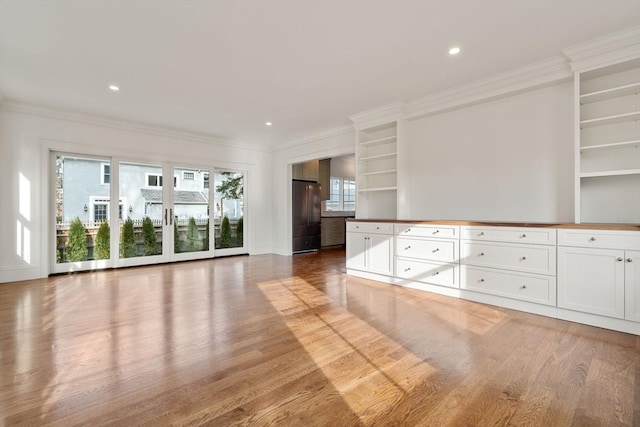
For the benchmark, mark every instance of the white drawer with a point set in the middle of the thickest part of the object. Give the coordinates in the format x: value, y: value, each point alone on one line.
x: 605, y: 239
x: 423, y: 230
x: 370, y: 227
x: 526, y: 258
x: 527, y: 287
x: 543, y: 236
x: 427, y: 249
x: 428, y: 272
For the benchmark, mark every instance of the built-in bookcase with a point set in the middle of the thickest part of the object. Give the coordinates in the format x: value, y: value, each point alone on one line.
x: 608, y: 144
x: 377, y: 170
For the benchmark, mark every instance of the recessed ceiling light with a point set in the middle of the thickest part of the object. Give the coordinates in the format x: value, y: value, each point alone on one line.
x: 454, y: 50
x: 114, y: 88
x: 268, y: 123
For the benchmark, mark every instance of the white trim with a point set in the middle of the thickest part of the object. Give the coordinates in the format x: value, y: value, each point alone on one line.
x: 331, y: 133
x: 102, y: 174
x: 549, y: 71
x: 84, y: 118
x: 613, y: 48
x: 378, y: 116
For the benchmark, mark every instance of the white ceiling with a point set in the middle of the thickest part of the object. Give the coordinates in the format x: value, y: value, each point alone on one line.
x: 223, y: 68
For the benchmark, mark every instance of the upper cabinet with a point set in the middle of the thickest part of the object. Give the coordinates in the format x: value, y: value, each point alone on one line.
x: 376, y: 171
x: 307, y: 171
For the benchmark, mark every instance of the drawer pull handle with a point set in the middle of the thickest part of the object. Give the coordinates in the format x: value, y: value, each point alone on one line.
x: 407, y: 269
x: 407, y: 248
x: 408, y: 230
x: 620, y: 259
x: 481, y: 233
x: 523, y: 236
x: 482, y: 280
x: 524, y: 258
x: 377, y: 228
x: 629, y: 260
x: 437, y: 231
x: 523, y: 287
x: 436, y: 250
x: 481, y: 253
x: 436, y: 273
x: 593, y: 239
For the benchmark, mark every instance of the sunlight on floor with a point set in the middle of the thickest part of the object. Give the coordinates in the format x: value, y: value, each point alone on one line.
x: 361, y: 356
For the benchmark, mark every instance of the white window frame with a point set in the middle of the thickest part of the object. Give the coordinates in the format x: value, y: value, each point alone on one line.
x: 158, y: 179
x: 106, y: 200
x: 102, y: 173
x: 185, y: 174
x: 340, y: 203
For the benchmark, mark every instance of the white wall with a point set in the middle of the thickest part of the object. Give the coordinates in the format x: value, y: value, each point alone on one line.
x: 337, y: 144
x: 505, y: 160
x: 26, y: 137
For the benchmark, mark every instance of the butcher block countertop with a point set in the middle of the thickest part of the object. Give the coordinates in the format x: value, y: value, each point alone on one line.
x: 623, y: 227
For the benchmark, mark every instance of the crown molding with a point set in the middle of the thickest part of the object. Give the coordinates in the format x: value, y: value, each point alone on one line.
x: 538, y: 74
x: 610, y: 49
x: 313, y: 138
x: 95, y: 120
x: 377, y: 116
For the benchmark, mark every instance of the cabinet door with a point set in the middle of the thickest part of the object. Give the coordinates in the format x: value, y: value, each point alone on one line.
x: 356, y: 251
x: 591, y: 280
x: 380, y: 258
x: 632, y: 285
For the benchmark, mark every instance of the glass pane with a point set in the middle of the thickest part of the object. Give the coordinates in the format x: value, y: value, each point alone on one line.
x: 229, y: 209
x: 191, y: 210
x: 82, y: 194
x: 140, y: 210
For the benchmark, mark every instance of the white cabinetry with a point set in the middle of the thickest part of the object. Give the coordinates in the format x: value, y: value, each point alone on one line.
x: 376, y: 173
x: 632, y: 285
x: 512, y: 262
x: 597, y: 274
x: 370, y: 247
x: 608, y: 144
x: 427, y: 254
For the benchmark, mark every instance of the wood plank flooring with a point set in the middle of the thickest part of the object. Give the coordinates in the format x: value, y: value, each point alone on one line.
x: 275, y: 340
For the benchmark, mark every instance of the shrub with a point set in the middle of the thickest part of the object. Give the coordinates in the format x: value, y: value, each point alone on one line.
x: 205, y: 241
x: 193, y: 237
x: 127, y: 240
x: 103, y: 242
x: 225, y: 233
x: 240, y: 231
x: 77, y: 243
x: 149, y: 236
x: 176, y: 238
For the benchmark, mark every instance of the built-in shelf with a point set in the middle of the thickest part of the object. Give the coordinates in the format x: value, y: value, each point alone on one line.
x: 607, y: 120
x: 615, y: 92
x: 379, y: 140
x: 379, y: 172
x: 378, y: 156
x: 610, y: 173
x: 612, y: 145
x: 368, y: 190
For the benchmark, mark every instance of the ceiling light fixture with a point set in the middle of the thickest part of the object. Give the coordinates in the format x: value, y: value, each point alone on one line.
x: 268, y: 123
x: 114, y: 88
x: 454, y: 50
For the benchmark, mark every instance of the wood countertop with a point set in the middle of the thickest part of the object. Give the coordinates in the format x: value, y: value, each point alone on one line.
x: 622, y: 227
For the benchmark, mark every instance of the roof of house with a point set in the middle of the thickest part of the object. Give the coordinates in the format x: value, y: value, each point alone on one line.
x: 180, y: 196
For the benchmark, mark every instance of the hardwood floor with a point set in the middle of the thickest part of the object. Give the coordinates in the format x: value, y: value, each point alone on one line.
x: 274, y: 340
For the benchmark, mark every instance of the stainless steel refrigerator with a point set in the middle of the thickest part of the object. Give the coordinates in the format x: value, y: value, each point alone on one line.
x: 306, y: 216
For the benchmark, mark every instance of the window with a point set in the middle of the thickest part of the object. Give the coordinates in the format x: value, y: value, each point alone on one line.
x: 188, y: 175
x: 100, y: 209
x: 100, y: 212
x: 106, y: 174
x: 154, y: 180
x: 342, y: 195
x: 205, y: 177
